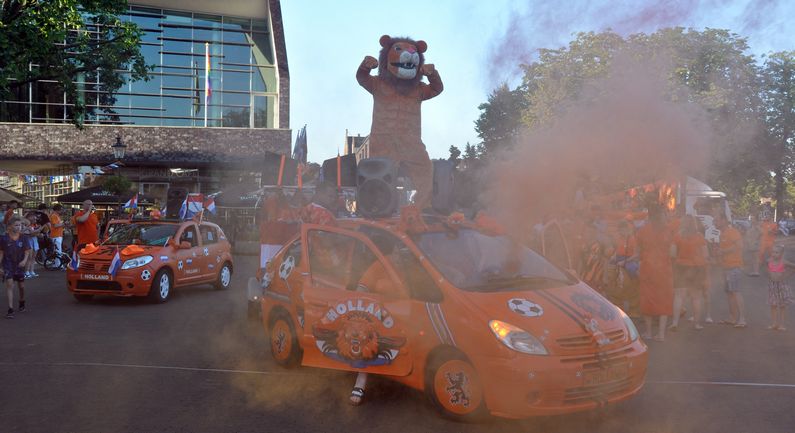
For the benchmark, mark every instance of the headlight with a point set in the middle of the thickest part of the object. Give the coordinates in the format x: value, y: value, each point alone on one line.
x: 631, y: 329
x: 517, y: 338
x: 136, y: 262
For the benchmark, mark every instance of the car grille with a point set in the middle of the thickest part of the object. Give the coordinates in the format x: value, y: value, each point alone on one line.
x: 584, y: 341
x: 600, y: 392
x: 98, y: 285
x: 94, y: 266
x: 600, y: 359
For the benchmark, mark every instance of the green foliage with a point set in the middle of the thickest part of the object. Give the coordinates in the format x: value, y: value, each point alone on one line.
x: 117, y: 184
x: 70, y: 42
x: 455, y: 155
x: 500, y: 121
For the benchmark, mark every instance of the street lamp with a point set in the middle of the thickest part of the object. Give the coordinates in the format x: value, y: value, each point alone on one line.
x: 118, y: 148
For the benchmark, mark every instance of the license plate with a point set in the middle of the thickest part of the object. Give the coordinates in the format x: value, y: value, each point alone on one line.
x: 610, y: 374
x: 95, y: 277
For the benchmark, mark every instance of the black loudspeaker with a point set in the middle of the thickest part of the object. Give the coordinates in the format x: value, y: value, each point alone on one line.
x: 270, y: 170
x: 174, y: 199
x: 443, y: 200
x: 347, y: 168
x: 376, y: 192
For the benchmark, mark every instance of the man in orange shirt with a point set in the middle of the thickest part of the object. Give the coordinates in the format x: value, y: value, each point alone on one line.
x: 86, y: 223
x: 12, y: 206
x: 56, y: 228
x: 731, y: 260
x: 769, y: 229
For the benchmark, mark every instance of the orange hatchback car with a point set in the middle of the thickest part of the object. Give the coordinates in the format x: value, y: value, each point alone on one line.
x: 150, y: 258
x: 477, y: 321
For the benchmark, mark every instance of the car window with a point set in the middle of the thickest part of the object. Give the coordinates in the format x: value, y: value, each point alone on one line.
x: 189, y: 235
x: 209, y: 236
x: 408, y: 267
x: 294, y: 251
x: 555, y: 247
x: 329, y: 257
x: 141, y: 234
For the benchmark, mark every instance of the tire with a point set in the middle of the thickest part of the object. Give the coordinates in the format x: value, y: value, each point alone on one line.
x: 83, y: 298
x: 285, y: 349
x: 451, y: 372
x: 54, y: 262
x: 224, y: 279
x: 160, y: 291
x: 41, y: 256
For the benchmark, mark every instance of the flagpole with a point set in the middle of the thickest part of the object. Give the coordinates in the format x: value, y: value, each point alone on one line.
x: 206, y: 80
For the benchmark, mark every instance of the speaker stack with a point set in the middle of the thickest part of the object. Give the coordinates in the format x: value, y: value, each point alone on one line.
x: 376, y: 192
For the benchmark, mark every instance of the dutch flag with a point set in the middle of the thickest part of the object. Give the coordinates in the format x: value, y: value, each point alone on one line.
x: 75, y: 262
x: 209, y: 204
x: 115, y: 264
x: 132, y: 203
x: 191, y: 206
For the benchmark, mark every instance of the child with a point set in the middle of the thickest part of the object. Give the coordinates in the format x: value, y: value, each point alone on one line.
x: 778, y: 292
x: 14, y: 250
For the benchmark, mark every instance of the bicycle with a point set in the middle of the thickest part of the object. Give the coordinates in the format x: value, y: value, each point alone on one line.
x: 51, y: 259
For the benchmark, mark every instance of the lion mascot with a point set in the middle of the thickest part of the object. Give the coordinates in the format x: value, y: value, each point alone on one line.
x: 397, y: 92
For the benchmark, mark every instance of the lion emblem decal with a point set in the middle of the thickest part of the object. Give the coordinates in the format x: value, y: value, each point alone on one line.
x: 354, y: 338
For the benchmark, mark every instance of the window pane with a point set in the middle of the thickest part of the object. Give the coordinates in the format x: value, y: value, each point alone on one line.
x: 237, y: 117
x: 237, y: 23
x: 263, y: 111
x: 236, y: 81
x: 263, y: 54
x: 264, y: 80
x: 237, y: 54
x: 236, y: 99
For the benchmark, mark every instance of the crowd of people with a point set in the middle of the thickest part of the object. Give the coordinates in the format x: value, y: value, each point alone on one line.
x: 23, y: 233
x: 651, y: 267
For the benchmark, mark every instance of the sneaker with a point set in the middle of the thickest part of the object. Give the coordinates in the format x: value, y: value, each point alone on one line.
x: 10, y: 314
x: 27, y: 275
x: 21, y: 306
x: 33, y: 274
x: 698, y: 327
x: 709, y: 320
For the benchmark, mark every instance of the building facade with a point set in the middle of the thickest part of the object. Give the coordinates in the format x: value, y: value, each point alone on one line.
x: 175, y: 135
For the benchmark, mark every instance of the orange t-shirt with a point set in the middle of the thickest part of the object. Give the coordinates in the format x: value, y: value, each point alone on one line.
x: 768, y: 229
x: 625, y: 245
x: 730, y: 238
x: 9, y: 213
x: 55, y: 232
x: 690, y: 250
x: 87, y: 231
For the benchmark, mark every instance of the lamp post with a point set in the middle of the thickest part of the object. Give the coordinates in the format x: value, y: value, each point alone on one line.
x: 118, y: 152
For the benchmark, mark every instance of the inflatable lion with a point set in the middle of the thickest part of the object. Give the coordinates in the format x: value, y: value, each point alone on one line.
x: 397, y: 92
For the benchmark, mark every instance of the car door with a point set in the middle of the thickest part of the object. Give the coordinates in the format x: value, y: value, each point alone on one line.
x: 356, y: 311
x: 210, y: 257
x: 188, y: 259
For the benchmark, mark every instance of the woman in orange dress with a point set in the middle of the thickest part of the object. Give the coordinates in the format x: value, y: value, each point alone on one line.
x: 656, y: 272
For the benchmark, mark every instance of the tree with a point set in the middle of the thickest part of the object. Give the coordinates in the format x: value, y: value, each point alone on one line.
x: 500, y: 120
x: 118, y: 185
x: 455, y: 155
x: 71, y: 42
x: 778, y: 93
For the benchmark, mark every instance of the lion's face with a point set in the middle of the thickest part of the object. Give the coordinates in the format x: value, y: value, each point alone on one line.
x: 358, y: 339
x: 403, y: 60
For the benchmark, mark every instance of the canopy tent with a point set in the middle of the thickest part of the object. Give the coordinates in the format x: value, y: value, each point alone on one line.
x: 8, y: 195
x: 101, y: 197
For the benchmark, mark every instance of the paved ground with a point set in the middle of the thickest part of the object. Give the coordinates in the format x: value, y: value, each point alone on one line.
x: 196, y: 365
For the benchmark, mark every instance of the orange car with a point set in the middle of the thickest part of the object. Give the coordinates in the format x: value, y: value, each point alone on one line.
x: 150, y: 258
x: 478, y: 322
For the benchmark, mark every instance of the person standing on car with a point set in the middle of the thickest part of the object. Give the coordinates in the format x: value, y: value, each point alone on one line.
x: 752, y: 241
x: 86, y: 223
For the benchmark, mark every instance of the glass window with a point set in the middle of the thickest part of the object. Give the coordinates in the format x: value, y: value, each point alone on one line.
x: 236, y: 23
x: 208, y: 235
x: 263, y: 55
x: 264, y: 80
x: 555, y: 247
x: 238, y: 81
x: 237, y: 54
x: 263, y: 109
x: 237, y: 117
x: 189, y: 235
x: 329, y: 258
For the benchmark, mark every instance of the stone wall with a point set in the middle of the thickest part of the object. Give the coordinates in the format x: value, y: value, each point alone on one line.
x: 146, y: 144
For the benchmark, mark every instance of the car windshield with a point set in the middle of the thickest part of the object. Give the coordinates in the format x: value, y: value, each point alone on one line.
x: 476, y: 262
x: 142, y: 234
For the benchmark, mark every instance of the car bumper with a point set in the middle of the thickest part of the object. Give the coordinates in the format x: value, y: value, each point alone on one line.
x: 529, y: 385
x: 125, y: 283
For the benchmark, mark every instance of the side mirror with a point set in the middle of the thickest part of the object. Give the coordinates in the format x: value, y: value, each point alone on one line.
x: 185, y: 245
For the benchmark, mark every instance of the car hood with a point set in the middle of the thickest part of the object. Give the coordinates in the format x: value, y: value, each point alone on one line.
x: 566, y: 314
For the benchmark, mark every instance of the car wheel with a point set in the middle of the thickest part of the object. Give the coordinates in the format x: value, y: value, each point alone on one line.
x: 83, y: 298
x: 224, y: 277
x: 160, y: 290
x: 454, y: 388
x: 284, y: 341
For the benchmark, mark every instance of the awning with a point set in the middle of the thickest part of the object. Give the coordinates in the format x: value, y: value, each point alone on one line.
x: 8, y: 195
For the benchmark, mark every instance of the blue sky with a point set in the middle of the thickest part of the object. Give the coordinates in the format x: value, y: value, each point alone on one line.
x: 475, y: 46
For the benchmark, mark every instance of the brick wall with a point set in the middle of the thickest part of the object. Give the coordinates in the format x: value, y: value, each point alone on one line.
x: 23, y: 141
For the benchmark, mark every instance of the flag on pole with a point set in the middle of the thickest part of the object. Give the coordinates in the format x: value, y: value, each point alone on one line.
x: 132, y: 203
x: 209, y: 204
x: 191, y: 206
x: 299, y: 150
x: 208, y: 90
x: 115, y: 264
x: 75, y: 262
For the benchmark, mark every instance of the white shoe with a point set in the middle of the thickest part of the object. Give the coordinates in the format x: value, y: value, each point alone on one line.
x: 27, y: 275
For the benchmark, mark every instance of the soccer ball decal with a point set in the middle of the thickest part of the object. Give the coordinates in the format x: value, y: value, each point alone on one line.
x: 206, y: 252
x: 286, y: 268
x: 179, y: 265
x: 525, y: 308
x: 217, y: 259
x: 146, y: 275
